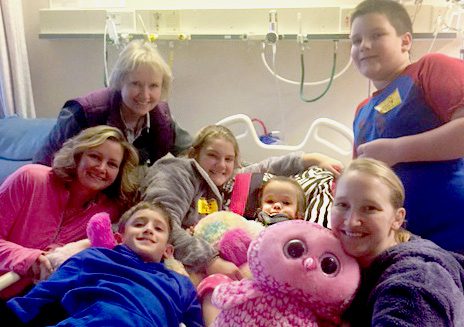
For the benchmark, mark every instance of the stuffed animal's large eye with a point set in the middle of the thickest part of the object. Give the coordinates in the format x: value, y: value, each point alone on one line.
x: 295, y: 249
x: 330, y: 264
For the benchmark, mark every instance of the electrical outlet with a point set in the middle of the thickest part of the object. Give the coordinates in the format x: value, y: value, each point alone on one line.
x: 345, y: 16
x: 159, y: 21
x: 169, y: 21
x: 124, y: 20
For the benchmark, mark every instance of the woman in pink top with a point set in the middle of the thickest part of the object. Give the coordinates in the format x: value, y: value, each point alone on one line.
x: 42, y: 208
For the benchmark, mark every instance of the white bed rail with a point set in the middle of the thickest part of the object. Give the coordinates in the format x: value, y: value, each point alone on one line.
x: 7, y: 279
x: 324, y: 135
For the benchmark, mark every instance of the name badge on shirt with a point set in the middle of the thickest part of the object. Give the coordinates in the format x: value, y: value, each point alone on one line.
x: 389, y: 103
x: 206, y: 207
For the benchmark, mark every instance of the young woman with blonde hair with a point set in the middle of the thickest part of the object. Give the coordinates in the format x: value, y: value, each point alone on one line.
x: 406, y: 280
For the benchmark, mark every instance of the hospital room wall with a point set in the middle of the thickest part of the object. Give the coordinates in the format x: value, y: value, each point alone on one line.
x: 212, y: 79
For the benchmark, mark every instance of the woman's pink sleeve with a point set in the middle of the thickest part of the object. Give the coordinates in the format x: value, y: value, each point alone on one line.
x: 14, y: 257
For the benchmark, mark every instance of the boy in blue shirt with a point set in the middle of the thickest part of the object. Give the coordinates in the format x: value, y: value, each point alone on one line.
x: 414, y: 121
x: 124, y: 286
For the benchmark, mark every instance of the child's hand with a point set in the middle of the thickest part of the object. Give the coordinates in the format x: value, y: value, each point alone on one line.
x: 385, y: 150
x: 245, y: 271
x: 221, y: 266
x: 190, y: 230
x: 41, y: 269
x: 325, y: 162
x: 175, y: 265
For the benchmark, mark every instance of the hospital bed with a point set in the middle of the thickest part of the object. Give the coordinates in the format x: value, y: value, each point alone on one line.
x: 324, y: 135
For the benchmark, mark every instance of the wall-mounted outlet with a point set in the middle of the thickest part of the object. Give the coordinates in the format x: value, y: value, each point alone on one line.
x: 159, y: 21
x: 345, y: 16
x: 124, y: 20
x: 170, y: 21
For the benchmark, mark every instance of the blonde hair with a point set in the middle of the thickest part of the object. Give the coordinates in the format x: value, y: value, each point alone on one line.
x: 136, y: 54
x: 67, y: 159
x: 300, y: 194
x: 213, y: 132
x: 387, y: 176
x: 142, y: 206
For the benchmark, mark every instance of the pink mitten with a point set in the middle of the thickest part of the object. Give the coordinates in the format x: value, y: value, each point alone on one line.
x: 99, y: 231
x: 233, y: 246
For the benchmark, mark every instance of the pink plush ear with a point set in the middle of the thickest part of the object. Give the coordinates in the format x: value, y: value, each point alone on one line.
x: 233, y: 246
x: 99, y: 231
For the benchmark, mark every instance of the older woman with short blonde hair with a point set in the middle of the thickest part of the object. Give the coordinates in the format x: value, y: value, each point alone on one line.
x: 134, y: 102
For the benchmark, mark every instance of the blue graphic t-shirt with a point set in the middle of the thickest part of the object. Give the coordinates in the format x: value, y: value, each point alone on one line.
x: 422, y: 98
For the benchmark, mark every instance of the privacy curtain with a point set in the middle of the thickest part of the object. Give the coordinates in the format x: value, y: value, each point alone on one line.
x: 15, y: 80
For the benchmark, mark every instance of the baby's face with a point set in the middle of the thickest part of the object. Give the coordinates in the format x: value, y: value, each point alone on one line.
x: 280, y: 198
x: 147, y: 234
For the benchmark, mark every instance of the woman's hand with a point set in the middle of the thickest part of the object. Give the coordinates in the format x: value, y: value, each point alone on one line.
x: 325, y: 162
x: 41, y: 269
x: 63, y: 253
x: 221, y: 266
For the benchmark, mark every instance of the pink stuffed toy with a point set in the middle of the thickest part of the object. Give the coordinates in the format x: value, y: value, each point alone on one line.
x: 233, y: 246
x: 99, y: 231
x: 301, y: 276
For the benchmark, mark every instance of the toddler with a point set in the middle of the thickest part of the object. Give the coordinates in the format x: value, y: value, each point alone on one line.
x: 282, y: 198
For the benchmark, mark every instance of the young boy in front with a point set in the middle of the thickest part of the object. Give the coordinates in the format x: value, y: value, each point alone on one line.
x: 125, y: 286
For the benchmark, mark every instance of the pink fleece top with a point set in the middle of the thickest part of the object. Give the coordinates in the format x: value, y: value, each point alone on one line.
x: 32, y: 203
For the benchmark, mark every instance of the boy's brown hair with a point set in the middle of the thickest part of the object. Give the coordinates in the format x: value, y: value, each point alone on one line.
x: 158, y: 207
x: 300, y: 194
x: 395, y: 12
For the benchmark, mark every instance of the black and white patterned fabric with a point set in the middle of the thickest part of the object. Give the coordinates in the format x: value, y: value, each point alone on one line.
x: 317, y: 184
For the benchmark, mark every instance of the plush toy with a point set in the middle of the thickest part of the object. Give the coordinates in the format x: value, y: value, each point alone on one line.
x: 99, y: 231
x: 230, y: 233
x: 301, y: 276
x: 212, y: 227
